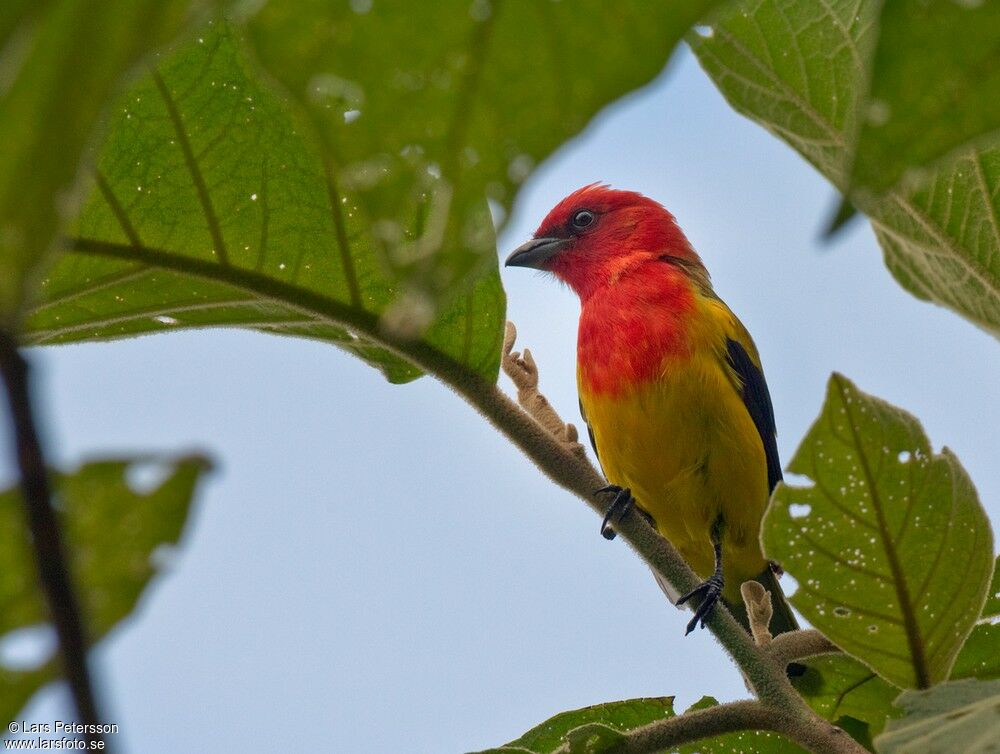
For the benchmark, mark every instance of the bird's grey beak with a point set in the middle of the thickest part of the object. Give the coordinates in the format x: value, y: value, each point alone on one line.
x: 535, y: 253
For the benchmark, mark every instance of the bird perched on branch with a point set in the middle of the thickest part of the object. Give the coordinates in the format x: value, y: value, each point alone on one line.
x: 671, y: 389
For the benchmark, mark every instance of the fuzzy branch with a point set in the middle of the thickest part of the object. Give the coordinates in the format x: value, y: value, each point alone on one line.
x: 817, y: 735
x: 797, y: 645
x: 46, y: 538
x: 759, y: 611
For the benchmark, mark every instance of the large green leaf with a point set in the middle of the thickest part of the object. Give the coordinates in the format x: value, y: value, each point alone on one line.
x: 591, y: 729
x: 357, y: 213
x: 60, y: 61
x: 837, y: 685
x: 212, y: 208
x: 934, y: 84
x: 476, y: 92
x: 891, y: 549
x: 799, y: 69
x: 980, y: 657
x: 963, y: 716
x: 115, y: 529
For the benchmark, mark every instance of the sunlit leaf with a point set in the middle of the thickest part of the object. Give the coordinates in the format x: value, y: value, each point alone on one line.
x: 59, y: 61
x: 963, y: 716
x: 890, y: 547
x: 800, y: 70
x: 590, y: 729
x: 212, y: 208
x: 477, y: 92
x: 120, y: 520
x: 934, y: 83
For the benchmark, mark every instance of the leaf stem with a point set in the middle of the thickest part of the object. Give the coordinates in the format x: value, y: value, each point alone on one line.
x: 50, y: 552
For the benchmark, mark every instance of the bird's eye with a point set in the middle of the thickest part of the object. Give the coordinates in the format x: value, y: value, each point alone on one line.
x: 583, y: 218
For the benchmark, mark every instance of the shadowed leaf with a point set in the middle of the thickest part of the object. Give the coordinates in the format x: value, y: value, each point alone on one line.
x: 838, y: 685
x: 960, y: 716
x: 890, y: 547
x: 980, y: 657
x: 800, y: 70
x: 590, y: 729
x: 119, y: 518
x: 59, y: 61
x: 934, y: 83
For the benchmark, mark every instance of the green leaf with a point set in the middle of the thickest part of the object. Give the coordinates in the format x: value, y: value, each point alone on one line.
x: 213, y: 208
x: 117, y: 531
x: 980, y: 656
x: 61, y: 60
x: 800, y: 70
x: 934, y: 83
x: 961, y: 716
x: 890, y: 547
x: 589, y: 729
x: 744, y: 742
x: 480, y: 100
x: 837, y: 685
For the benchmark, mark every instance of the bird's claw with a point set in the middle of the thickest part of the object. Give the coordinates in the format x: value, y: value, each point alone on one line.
x: 711, y: 591
x: 621, y: 502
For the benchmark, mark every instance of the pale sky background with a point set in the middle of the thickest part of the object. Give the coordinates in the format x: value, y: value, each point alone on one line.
x: 372, y: 568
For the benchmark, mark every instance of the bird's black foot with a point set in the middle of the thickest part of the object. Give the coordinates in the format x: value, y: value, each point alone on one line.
x: 711, y: 591
x: 621, y: 502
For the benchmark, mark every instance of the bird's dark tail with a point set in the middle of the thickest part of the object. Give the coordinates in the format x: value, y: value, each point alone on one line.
x: 782, y: 620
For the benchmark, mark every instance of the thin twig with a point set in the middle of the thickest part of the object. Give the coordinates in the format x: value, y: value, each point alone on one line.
x: 797, y: 645
x: 50, y: 553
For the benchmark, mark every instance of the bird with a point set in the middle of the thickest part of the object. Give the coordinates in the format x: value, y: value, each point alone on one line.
x: 671, y: 389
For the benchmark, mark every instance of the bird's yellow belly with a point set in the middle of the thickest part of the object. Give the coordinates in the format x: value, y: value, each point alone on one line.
x: 686, y: 446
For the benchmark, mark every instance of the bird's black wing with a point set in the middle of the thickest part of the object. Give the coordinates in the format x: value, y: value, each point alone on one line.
x: 758, y: 402
x: 590, y: 434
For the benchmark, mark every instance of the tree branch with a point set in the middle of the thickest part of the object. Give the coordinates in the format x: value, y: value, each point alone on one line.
x: 795, y: 645
x: 816, y: 735
x: 45, y: 535
x: 694, y: 726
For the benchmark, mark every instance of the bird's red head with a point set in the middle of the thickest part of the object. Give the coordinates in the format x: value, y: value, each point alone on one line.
x: 598, y: 234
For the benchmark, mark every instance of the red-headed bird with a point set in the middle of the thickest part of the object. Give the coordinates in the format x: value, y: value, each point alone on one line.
x: 671, y: 388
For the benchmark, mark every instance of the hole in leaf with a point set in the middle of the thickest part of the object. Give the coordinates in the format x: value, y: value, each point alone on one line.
x: 143, y: 477
x: 25, y: 649
x: 841, y: 612
x: 799, y: 510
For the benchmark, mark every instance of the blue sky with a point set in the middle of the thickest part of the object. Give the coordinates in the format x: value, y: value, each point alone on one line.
x: 372, y: 568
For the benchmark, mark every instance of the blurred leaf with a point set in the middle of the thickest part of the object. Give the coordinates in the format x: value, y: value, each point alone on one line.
x: 934, y: 83
x: 837, y: 685
x: 59, y: 62
x: 799, y: 69
x: 992, y: 607
x: 842, y: 216
x: 475, y: 91
x: 744, y: 742
x: 961, y: 716
x: 120, y: 518
x: 890, y: 547
x: 594, y: 727
x: 980, y: 657
x: 212, y: 208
